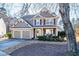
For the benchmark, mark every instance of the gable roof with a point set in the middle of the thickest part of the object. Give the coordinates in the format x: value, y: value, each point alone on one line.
x: 28, y: 19
x: 45, y: 13
x: 22, y: 25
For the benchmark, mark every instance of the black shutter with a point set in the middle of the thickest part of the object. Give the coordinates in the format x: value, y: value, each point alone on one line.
x: 54, y: 22
x: 40, y: 22
x: 35, y: 22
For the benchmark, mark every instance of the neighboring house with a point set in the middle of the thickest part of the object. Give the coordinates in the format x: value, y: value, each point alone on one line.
x: 2, y: 27
x: 31, y: 26
x: 4, y: 22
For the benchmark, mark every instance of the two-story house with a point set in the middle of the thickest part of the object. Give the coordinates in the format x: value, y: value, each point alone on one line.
x: 31, y: 26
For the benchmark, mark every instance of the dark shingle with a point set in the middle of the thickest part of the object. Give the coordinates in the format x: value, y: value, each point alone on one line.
x: 28, y: 18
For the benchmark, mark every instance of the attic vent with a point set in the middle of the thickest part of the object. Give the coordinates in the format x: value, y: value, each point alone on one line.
x: 44, y: 10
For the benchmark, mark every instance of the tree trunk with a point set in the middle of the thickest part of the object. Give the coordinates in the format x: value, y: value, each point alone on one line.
x: 64, y: 11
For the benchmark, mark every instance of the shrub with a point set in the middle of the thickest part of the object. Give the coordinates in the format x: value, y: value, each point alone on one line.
x: 9, y: 34
x: 41, y: 38
x: 62, y: 34
x: 49, y: 38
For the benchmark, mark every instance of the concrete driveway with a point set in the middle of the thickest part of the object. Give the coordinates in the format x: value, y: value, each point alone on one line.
x: 41, y: 49
x: 17, y: 47
x: 6, y: 45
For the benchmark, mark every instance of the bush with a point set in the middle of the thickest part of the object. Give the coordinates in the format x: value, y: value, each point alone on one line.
x: 62, y: 34
x: 9, y: 34
x: 43, y: 38
x: 49, y: 38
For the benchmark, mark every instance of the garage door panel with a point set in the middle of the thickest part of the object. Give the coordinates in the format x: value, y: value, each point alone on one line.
x: 26, y: 34
x: 17, y: 34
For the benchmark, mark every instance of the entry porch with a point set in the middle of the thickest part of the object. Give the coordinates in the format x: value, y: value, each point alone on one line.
x: 44, y: 31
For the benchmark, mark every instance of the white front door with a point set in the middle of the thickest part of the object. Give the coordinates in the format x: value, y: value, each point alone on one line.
x: 49, y: 31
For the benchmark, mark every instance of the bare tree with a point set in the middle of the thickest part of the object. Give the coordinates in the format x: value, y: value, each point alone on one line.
x: 2, y: 4
x: 64, y: 11
x: 24, y: 9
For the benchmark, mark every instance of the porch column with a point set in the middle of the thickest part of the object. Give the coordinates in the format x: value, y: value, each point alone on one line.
x: 34, y: 33
x: 13, y: 34
x: 54, y: 31
x: 42, y: 31
x: 21, y: 34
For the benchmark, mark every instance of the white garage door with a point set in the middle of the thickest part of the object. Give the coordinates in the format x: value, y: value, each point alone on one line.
x: 27, y: 34
x: 17, y: 34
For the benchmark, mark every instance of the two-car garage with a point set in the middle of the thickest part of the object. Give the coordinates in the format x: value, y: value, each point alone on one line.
x: 21, y: 29
x: 19, y: 33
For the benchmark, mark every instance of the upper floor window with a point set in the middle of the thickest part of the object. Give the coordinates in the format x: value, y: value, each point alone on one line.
x: 49, y: 22
x: 36, y: 22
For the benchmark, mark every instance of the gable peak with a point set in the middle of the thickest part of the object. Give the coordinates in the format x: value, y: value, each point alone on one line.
x: 44, y: 9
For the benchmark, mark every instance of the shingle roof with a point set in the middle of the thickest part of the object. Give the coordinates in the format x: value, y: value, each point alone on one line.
x: 43, y: 13
x: 21, y: 25
x: 28, y: 19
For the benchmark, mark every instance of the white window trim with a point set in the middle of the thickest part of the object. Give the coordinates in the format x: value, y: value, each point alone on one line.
x: 38, y: 22
x: 48, y: 22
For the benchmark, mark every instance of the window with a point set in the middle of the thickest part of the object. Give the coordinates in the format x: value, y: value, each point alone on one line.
x: 37, y: 22
x: 49, y: 22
